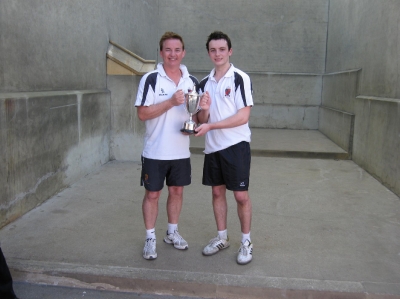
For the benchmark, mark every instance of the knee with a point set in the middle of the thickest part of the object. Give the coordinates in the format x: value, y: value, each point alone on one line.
x: 175, y: 191
x: 218, y: 193
x: 242, y: 198
x: 152, y: 196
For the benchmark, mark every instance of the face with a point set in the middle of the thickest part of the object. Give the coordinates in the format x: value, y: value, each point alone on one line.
x: 218, y: 52
x: 172, y: 52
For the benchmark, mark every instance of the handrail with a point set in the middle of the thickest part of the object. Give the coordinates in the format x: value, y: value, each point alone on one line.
x: 129, y: 60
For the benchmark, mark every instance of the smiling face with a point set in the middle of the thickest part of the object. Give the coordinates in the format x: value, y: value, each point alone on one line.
x: 172, y: 53
x: 219, y: 52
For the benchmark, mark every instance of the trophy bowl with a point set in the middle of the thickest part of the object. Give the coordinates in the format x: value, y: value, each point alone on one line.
x: 192, y: 100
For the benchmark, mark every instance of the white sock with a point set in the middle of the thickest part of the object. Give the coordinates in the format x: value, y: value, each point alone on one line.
x: 223, y: 234
x: 246, y: 237
x: 151, y: 233
x: 172, y: 228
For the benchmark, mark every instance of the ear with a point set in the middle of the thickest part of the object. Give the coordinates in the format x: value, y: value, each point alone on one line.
x: 183, y: 53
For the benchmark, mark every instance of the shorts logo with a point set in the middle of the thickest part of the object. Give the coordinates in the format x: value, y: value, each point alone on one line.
x: 228, y: 92
x: 163, y: 93
x: 146, y: 178
x: 242, y: 184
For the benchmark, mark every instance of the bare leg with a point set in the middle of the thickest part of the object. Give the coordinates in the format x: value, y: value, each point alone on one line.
x: 150, y: 208
x: 220, y: 206
x: 244, y: 209
x: 174, y: 203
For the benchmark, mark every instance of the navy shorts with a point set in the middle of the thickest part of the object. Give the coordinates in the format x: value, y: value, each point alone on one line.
x: 230, y: 167
x: 174, y: 172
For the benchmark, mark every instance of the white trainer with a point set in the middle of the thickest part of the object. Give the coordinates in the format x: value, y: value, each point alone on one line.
x: 216, y: 244
x: 177, y: 240
x: 245, y: 253
x: 149, y: 250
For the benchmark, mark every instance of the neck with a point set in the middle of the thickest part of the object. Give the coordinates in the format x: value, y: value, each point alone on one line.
x: 221, y: 70
x: 174, y: 73
x: 172, y: 70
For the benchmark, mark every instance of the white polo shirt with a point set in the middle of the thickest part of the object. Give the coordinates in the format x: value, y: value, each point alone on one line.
x: 163, y: 139
x: 230, y: 94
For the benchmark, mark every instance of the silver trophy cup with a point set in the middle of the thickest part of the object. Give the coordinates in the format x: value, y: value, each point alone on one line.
x: 192, y: 100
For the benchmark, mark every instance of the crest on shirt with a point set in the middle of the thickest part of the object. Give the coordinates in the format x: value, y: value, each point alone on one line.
x: 162, y: 92
x: 228, y: 91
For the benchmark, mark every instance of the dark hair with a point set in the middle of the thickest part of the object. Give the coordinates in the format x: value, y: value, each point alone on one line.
x: 218, y: 35
x: 171, y: 35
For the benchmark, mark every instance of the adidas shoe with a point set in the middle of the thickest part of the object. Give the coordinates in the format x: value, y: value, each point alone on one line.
x: 177, y: 240
x: 245, y: 253
x: 149, y: 250
x: 216, y: 244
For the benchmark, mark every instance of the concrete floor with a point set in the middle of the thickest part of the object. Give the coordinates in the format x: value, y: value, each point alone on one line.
x: 321, y: 228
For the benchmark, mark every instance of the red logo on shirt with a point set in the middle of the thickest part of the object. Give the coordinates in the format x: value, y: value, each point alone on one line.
x: 228, y: 92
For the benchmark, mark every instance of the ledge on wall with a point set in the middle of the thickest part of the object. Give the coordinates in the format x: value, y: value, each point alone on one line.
x: 381, y: 99
x: 121, y: 61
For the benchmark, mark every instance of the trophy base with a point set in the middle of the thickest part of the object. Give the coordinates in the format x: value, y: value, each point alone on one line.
x: 189, y: 127
x: 188, y: 131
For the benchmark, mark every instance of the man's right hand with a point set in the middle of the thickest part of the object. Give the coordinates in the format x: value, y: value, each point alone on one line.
x: 178, y: 98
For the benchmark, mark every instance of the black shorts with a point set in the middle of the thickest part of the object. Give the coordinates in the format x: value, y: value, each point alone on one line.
x: 174, y: 172
x: 230, y: 167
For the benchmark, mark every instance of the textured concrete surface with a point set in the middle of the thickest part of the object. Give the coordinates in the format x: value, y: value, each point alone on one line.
x: 62, y: 45
x: 48, y: 141
x: 267, y: 36
x: 286, y: 143
x: 320, y: 228
x: 377, y: 139
x: 360, y: 37
x: 127, y: 130
x: 38, y: 291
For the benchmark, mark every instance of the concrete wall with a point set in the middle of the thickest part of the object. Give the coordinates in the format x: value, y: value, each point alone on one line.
x: 377, y: 139
x: 126, y: 129
x: 365, y: 34
x: 61, y: 45
x: 281, y: 44
x: 336, y: 114
x: 55, y: 120
x: 49, y: 140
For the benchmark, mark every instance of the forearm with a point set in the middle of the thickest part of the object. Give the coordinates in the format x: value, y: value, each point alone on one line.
x: 153, y: 111
x: 238, y: 119
x: 202, y: 116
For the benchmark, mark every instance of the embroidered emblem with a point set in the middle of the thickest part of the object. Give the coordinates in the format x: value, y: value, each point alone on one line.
x: 228, y: 92
x: 146, y: 178
x: 163, y: 92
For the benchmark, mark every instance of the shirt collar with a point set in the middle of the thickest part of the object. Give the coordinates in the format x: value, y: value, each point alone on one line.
x: 183, y: 68
x: 229, y: 73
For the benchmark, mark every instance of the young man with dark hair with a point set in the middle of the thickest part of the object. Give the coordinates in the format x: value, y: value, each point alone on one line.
x: 166, y: 156
x: 225, y: 111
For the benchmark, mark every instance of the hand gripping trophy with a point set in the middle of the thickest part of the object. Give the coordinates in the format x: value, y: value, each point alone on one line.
x: 192, y: 100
